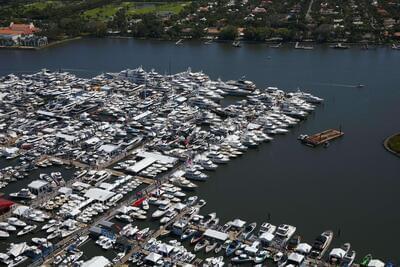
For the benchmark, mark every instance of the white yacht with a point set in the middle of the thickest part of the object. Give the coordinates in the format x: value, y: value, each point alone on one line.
x: 193, y: 174
x: 216, y: 157
x: 7, y: 227
x: 27, y: 229
x: 16, y: 222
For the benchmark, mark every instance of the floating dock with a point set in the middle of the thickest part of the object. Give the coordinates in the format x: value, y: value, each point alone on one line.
x: 322, y: 137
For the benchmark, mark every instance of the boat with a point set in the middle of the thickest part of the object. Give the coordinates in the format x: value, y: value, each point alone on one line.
x: 278, y: 256
x: 183, y: 183
x: 140, y: 234
x: 179, y: 42
x: 321, y: 244
x: 365, y: 261
x: 232, y: 247
x: 16, y: 222
x: 201, y: 244
x: 208, y: 218
x: 298, y: 46
x: 188, y: 233
x: 248, y: 230
x: 23, y: 194
x: 54, y: 234
x: 211, y: 246
x: 261, y: 256
x: 337, y: 254
x: 4, y: 234
x: 218, y: 248
x: 27, y: 229
x: 360, y: 85
x: 339, y: 46
x: 236, y: 43
x: 196, y: 238
x: 119, y: 257
x: 17, y: 260
x: 7, y: 227
x: 193, y: 174
x: 276, y: 45
x: 293, y: 242
x: 348, y: 259
x: 395, y: 47
x: 241, y: 259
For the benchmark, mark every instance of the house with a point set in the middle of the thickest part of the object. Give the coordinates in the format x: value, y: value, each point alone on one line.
x: 21, y: 35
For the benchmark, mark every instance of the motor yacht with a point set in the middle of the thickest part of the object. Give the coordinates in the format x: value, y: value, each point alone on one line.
x: 321, y: 244
x: 16, y: 222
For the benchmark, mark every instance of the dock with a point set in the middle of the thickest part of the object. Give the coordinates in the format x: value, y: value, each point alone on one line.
x: 322, y: 137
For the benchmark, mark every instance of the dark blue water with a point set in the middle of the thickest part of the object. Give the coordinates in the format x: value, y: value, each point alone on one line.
x: 351, y: 187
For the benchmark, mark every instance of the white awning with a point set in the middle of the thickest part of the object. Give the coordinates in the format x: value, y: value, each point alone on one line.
x: 237, y: 223
x: 216, y: 234
x: 337, y: 253
x: 266, y: 237
x: 303, y: 248
x: 99, y: 194
x: 296, y: 257
x: 98, y: 261
x: 376, y: 263
x: 153, y: 257
x: 165, y: 249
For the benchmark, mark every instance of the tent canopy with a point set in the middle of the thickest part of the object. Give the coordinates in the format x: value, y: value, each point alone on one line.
x: 153, y: 257
x: 303, y: 248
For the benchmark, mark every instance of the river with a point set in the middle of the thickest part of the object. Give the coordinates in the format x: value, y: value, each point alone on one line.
x: 350, y: 187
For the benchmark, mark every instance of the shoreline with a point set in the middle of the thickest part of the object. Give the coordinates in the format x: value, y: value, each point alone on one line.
x: 386, y: 144
x: 49, y: 45
x: 284, y: 44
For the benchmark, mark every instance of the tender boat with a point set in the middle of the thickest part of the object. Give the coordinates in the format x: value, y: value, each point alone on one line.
x: 27, y: 229
x: 232, y: 247
x: 201, y: 244
x: 321, y: 244
x: 248, y: 230
x: 242, y: 258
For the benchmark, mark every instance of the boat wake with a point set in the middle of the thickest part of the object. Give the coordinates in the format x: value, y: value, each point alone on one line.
x: 339, y: 85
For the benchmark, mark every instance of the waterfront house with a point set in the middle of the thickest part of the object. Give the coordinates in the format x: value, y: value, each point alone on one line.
x: 17, y: 34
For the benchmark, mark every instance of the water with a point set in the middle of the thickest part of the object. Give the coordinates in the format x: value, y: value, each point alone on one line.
x: 351, y: 187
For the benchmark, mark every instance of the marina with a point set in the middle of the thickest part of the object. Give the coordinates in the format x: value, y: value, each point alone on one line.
x: 134, y: 161
x: 272, y: 179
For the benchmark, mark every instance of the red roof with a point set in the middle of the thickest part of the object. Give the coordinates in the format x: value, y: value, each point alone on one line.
x: 19, y: 29
x: 4, y: 203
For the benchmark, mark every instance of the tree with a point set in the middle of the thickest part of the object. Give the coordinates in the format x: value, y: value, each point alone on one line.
x: 228, y: 33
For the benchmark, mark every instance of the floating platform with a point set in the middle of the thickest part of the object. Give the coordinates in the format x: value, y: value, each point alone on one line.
x: 322, y: 137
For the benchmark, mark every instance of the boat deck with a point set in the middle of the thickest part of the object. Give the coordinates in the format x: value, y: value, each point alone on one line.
x: 322, y: 137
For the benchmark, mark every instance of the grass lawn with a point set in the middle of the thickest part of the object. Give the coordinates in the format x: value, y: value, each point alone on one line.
x: 102, y: 13
x: 42, y: 4
x: 158, y: 7
x: 394, y: 143
x: 134, y: 8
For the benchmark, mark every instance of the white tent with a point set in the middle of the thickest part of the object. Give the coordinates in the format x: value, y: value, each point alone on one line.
x: 238, y: 223
x: 98, y: 261
x: 179, y: 206
x: 376, y: 263
x: 17, y: 249
x: 303, y: 248
x: 296, y: 257
x: 125, y: 209
x: 165, y: 249
x: 153, y: 257
x: 21, y: 210
x: 266, y: 237
x: 337, y: 253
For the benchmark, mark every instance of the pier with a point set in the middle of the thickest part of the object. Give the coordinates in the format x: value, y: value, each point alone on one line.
x: 322, y: 137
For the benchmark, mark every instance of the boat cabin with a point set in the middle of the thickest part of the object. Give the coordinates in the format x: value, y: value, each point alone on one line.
x: 39, y: 187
